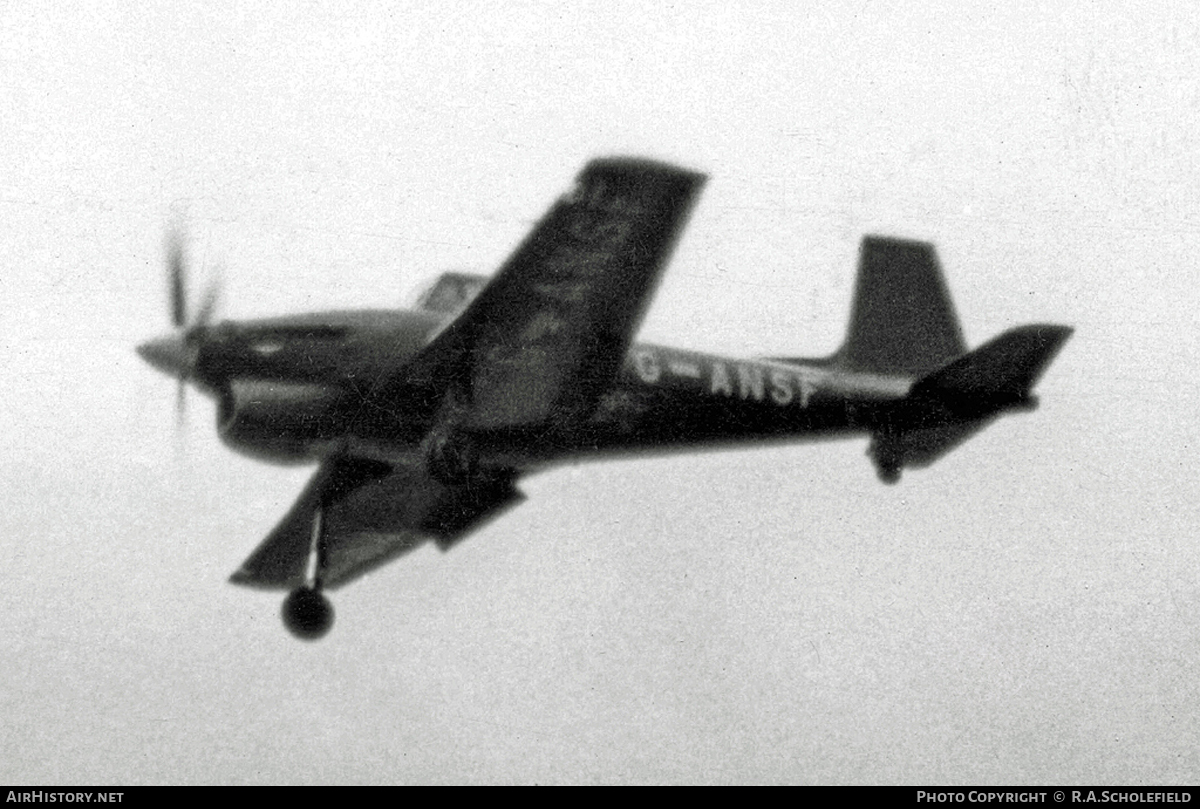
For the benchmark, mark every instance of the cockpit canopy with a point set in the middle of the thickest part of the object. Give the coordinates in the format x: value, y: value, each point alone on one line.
x: 451, y: 292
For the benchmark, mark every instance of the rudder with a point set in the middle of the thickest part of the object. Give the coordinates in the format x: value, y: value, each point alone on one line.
x: 902, y: 321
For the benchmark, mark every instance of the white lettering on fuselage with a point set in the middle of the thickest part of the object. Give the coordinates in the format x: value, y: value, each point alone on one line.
x: 720, y: 379
x: 781, y: 388
x: 751, y: 384
x: 747, y: 381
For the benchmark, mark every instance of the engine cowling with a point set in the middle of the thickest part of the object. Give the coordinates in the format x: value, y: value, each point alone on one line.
x: 283, y: 422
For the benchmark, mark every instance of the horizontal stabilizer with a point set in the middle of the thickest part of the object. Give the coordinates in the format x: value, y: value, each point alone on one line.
x: 998, y: 374
x: 945, y: 408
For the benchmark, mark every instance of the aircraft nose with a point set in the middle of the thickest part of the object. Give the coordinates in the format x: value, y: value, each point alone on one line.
x: 167, y: 354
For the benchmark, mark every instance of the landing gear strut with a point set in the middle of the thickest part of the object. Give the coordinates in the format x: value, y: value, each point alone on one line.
x: 306, y: 611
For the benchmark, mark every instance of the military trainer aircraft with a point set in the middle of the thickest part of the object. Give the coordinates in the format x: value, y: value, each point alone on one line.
x: 423, y: 421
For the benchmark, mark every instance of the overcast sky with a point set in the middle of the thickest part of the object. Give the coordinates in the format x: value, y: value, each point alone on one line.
x: 1027, y: 610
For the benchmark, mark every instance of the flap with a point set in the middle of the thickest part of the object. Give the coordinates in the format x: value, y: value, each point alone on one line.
x: 372, y: 514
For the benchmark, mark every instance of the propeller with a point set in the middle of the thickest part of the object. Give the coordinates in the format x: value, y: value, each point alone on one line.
x: 176, y: 354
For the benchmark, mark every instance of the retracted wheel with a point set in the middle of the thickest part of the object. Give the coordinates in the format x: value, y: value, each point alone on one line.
x: 889, y: 461
x: 307, y: 613
x: 888, y: 471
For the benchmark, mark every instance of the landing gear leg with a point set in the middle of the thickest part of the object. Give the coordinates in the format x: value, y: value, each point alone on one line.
x: 307, y: 613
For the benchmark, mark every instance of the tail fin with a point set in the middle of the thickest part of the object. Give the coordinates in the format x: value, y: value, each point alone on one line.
x: 903, y: 321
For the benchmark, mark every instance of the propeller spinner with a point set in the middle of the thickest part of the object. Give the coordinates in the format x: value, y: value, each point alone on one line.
x: 176, y: 354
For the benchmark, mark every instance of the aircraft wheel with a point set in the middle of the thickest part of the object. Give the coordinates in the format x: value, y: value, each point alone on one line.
x: 889, y: 463
x: 889, y: 472
x: 452, y: 459
x: 307, y: 613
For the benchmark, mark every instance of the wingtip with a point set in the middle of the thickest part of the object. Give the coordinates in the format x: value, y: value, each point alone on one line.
x: 639, y: 165
x: 1054, y: 333
x: 240, y: 576
x: 245, y: 578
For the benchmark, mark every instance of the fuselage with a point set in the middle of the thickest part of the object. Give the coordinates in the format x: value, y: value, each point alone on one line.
x: 291, y: 390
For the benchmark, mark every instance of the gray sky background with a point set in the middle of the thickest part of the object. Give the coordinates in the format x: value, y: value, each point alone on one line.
x: 1027, y: 610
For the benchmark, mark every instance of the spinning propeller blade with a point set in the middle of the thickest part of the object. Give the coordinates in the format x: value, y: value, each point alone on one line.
x: 177, y: 354
x: 175, y: 271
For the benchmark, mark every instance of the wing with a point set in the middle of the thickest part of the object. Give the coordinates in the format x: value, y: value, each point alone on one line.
x: 548, y: 334
x: 372, y: 513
